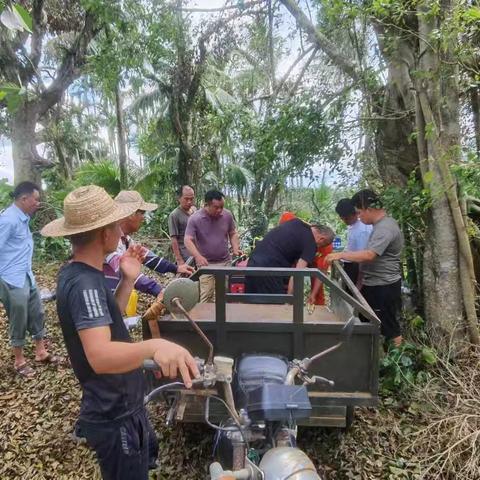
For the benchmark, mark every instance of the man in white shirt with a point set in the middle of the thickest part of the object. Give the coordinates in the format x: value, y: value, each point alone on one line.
x: 357, y: 235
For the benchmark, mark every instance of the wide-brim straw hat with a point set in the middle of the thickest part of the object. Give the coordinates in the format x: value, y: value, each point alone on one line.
x: 86, y: 209
x: 132, y: 196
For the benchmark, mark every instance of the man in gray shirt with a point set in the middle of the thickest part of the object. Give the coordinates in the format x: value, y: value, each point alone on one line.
x: 380, y: 263
x: 177, y: 223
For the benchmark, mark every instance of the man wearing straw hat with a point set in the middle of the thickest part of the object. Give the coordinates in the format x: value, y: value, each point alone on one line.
x: 104, y: 359
x: 130, y: 225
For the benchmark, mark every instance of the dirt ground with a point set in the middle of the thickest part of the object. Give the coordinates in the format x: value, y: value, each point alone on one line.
x: 37, y: 417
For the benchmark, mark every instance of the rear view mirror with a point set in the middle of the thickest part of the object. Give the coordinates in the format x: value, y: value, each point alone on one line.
x: 183, y: 289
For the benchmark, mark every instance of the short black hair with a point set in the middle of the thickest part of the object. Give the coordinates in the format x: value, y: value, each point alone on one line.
x: 213, y: 195
x: 24, y: 188
x: 345, y: 208
x: 366, y: 199
x: 84, y: 238
x: 179, y: 190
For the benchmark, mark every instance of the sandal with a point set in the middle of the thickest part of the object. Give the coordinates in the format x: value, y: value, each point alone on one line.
x: 51, y: 359
x: 25, y: 370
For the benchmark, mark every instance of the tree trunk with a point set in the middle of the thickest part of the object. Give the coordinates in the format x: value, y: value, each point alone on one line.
x: 438, y: 112
x: 271, y: 198
x: 122, y: 151
x: 185, y: 165
x: 26, y: 161
x: 448, y: 290
x: 396, y: 153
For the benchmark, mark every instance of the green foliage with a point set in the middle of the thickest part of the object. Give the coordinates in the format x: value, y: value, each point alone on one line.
x: 13, y: 95
x: 51, y: 249
x: 15, y: 17
x: 409, y: 204
x: 404, y: 367
x: 5, y: 190
x: 105, y: 174
x: 467, y: 173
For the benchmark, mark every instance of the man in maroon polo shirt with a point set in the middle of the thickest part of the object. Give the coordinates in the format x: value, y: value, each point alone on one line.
x: 206, y: 237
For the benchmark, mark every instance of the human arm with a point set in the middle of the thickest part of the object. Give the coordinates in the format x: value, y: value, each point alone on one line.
x: 235, y: 243
x: 176, y: 250
x: 130, y: 266
x: 174, y: 232
x: 158, y: 264
x: 162, y: 265
x: 358, y: 257
x: 316, y: 286
x: 5, y: 230
x: 109, y: 357
x: 300, y: 264
x: 200, y: 260
x: 189, y: 239
x: 91, y: 311
x: 233, y: 235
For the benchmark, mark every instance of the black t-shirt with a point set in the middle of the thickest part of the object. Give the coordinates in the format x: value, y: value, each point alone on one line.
x: 284, y: 245
x: 85, y: 301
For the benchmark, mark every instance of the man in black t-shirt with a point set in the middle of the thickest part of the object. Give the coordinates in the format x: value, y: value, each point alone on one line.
x: 104, y: 359
x: 291, y: 244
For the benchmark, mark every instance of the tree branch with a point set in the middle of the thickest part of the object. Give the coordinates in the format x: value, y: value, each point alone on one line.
x: 70, y: 67
x: 248, y: 56
x: 302, y: 72
x: 164, y: 87
x: 9, y: 64
x: 292, y: 66
x: 323, y: 43
x: 38, y: 32
x: 200, y: 63
x: 241, y: 6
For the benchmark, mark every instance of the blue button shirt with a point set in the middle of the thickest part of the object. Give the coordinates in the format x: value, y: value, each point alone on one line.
x: 16, y: 247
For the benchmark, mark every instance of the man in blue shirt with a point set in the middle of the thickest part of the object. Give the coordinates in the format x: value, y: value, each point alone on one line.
x: 357, y: 236
x: 18, y: 291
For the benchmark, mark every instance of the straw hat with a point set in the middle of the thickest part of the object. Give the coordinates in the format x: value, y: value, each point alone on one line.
x: 88, y: 208
x: 131, y: 196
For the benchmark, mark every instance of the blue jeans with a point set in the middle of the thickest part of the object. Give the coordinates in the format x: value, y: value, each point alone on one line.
x: 24, y: 311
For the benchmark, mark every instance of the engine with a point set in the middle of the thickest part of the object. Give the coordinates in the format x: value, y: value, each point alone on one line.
x: 261, y: 391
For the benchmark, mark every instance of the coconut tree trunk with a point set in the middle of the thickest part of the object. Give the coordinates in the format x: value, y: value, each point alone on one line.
x: 121, y: 141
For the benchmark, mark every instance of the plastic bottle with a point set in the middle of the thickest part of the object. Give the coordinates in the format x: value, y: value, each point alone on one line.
x: 131, y: 309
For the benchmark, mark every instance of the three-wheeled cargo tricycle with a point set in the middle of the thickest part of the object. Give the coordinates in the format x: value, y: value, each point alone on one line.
x: 268, y: 365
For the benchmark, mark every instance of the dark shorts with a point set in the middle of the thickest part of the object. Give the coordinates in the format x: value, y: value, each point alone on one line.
x: 386, y: 301
x: 125, y: 449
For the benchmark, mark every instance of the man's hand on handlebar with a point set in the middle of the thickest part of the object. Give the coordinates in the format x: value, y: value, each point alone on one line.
x: 172, y: 359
